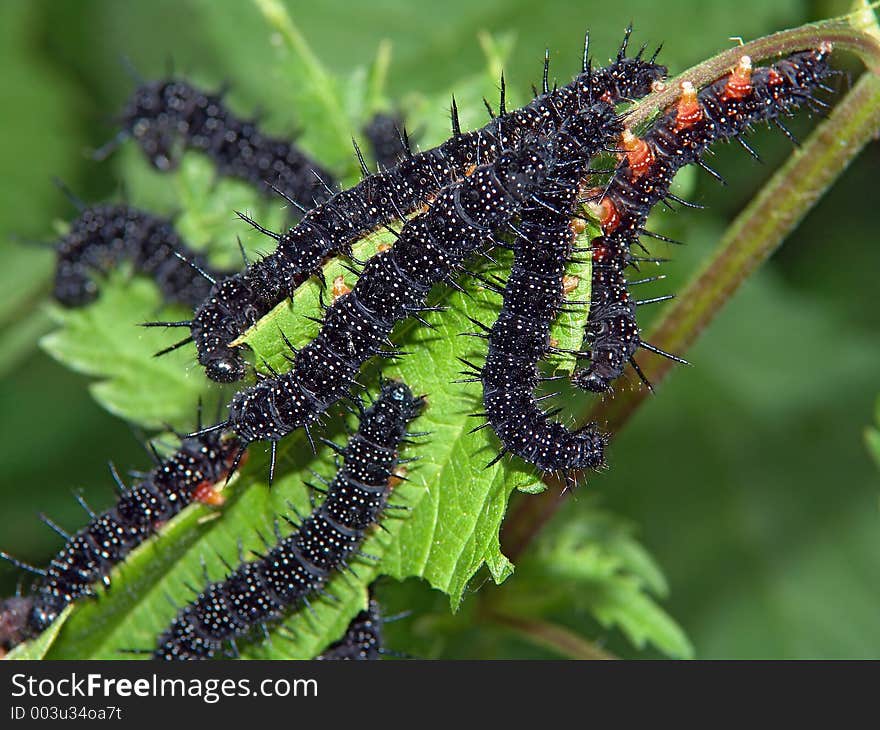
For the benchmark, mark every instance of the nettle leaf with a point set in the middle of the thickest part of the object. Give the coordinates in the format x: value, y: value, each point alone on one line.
x: 102, y: 340
x: 589, y: 563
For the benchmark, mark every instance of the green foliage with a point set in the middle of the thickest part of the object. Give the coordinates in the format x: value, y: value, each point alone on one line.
x: 589, y: 564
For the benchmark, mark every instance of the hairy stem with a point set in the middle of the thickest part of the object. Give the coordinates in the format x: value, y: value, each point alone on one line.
x: 758, y: 231
x: 855, y: 32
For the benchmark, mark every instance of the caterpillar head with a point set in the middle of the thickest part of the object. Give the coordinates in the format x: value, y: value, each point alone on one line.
x: 226, y: 367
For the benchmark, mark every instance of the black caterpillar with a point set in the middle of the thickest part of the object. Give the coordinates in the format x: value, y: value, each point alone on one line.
x: 726, y: 109
x: 165, y: 116
x: 238, y: 302
x: 387, y: 138
x: 362, y: 640
x: 102, y: 236
x: 300, y: 564
x: 87, y: 558
x: 520, y: 336
x: 394, y: 285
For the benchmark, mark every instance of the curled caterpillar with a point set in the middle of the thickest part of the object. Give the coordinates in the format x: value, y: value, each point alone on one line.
x: 520, y: 336
x: 300, y: 564
x: 167, y: 115
x: 88, y: 556
x: 103, y: 236
x: 726, y: 109
x: 329, y: 229
x: 387, y: 138
x: 394, y: 285
x: 362, y: 640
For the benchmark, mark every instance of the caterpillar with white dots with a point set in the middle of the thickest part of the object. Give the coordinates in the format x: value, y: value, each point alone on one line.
x: 724, y: 110
x: 300, y: 564
x: 394, y: 285
x: 88, y: 556
x: 168, y: 115
x: 362, y: 640
x: 532, y: 297
x: 103, y: 236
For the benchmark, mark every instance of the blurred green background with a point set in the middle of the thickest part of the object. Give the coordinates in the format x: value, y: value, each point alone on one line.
x: 748, y: 475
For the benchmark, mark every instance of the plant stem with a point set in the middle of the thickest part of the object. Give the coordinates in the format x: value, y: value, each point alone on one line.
x: 855, y: 32
x: 555, y: 637
x: 314, y: 72
x: 758, y: 231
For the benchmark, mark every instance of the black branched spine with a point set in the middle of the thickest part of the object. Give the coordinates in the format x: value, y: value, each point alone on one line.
x: 300, y: 564
x: 724, y: 110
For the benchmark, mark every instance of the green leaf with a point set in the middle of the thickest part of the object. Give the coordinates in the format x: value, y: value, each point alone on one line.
x: 591, y: 555
x: 103, y: 341
x: 622, y: 603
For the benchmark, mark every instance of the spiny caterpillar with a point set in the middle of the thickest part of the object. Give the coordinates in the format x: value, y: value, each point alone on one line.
x: 167, y: 115
x: 189, y: 474
x: 393, y: 286
x: 726, y: 109
x: 103, y: 236
x: 329, y: 229
x: 533, y: 292
x: 299, y: 564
